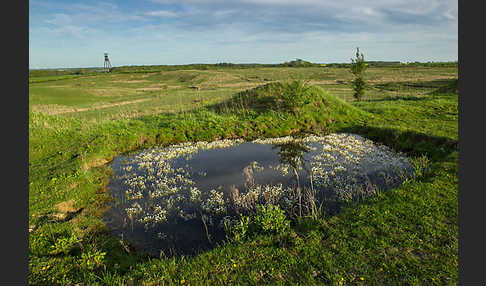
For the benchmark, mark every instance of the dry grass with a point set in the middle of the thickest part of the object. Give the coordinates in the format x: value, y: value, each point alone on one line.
x: 129, y: 81
x: 150, y: 88
x: 53, y: 109
x: 240, y: 84
x: 219, y: 77
x: 332, y: 81
x: 67, y: 206
x: 57, y: 86
x: 111, y: 91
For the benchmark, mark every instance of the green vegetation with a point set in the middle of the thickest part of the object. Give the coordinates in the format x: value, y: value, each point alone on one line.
x: 358, y: 67
x: 405, y: 236
x: 268, y: 219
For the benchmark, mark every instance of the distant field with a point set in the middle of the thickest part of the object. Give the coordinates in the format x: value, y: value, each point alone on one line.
x: 125, y: 95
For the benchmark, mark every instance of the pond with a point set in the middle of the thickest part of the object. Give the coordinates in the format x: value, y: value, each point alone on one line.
x: 177, y: 199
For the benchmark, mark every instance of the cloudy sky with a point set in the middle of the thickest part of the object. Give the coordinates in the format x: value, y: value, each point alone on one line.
x: 71, y: 33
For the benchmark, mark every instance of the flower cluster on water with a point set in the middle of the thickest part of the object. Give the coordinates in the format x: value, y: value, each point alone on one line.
x: 290, y: 139
x: 215, y: 203
x: 280, y: 140
x: 156, y: 190
x: 348, y: 163
x: 346, y: 166
x: 261, y: 194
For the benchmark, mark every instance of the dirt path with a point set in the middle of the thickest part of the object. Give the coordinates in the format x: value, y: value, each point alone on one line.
x: 57, y: 109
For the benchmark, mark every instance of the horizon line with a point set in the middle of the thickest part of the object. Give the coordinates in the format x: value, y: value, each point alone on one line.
x: 128, y: 65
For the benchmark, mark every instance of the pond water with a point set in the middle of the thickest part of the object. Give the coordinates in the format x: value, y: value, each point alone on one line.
x: 176, y: 199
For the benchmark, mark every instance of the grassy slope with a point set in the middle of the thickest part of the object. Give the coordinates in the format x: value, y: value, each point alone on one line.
x: 405, y: 236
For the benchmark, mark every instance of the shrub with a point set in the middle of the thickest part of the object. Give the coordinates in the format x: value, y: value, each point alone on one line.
x: 293, y: 95
x: 358, y: 68
x: 271, y: 219
x: 288, y: 97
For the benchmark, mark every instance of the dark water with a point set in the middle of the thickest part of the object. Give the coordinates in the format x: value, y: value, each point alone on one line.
x: 224, y: 169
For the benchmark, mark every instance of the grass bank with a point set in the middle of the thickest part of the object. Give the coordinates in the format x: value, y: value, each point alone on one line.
x: 404, y: 236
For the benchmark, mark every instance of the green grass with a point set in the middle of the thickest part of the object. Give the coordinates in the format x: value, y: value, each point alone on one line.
x: 406, y: 236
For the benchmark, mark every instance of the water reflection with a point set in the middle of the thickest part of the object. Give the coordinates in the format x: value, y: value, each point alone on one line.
x: 292, y: 153
x: 176, y: 199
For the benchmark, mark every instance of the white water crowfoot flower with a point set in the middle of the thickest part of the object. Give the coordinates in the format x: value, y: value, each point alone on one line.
x: 346, y: 158
x: 262, y: 194
x: 133, y: 195
x: 195, y: 195
x: 161, y: 235
x: 215, y: 203
x: 152, y: 174
x: 159, y: 187
x: 155, y: 216
x: 134, y: 210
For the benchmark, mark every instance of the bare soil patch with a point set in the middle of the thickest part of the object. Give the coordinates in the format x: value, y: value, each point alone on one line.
x: 94, y: 163
x: 66, y: 209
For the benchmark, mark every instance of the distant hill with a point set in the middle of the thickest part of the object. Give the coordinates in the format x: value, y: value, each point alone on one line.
x: 201, y: 66
x: 299, y: 63
x: 62, y: 71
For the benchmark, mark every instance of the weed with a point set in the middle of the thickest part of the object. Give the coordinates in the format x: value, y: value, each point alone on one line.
x: 65, y: 244
x: 92, y: 259
x: 421, y: 165
x: 240, y: 230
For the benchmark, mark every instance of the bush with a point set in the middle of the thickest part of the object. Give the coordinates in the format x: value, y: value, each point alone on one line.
x: 268, y: 219
x: 278, y: 96
x: 293, y: 95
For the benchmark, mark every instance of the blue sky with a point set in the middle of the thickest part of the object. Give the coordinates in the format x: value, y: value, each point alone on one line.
x: 72, y: 33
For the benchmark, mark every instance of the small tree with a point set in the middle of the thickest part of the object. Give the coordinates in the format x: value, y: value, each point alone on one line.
x: 358, y: 68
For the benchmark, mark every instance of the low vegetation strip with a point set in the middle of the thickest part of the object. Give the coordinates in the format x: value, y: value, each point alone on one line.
x: 406, y: 236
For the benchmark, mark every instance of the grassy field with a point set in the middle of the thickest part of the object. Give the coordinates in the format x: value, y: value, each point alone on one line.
x: 79, y: 123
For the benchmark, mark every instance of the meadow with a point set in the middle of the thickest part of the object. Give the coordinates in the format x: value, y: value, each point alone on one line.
x: 79, y: 122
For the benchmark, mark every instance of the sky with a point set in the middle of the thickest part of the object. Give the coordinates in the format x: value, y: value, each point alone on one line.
x: 70, y: 33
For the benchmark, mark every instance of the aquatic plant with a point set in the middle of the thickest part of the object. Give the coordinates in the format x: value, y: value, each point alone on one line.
x: 159, y: 191
x: 345, y: 160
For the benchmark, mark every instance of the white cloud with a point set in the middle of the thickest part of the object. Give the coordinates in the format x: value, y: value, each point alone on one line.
x: 265, y: 31
x: 162, y: 13
x: 60, y: 19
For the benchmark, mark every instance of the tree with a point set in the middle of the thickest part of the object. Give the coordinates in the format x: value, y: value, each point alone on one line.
x: 358, y: 68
